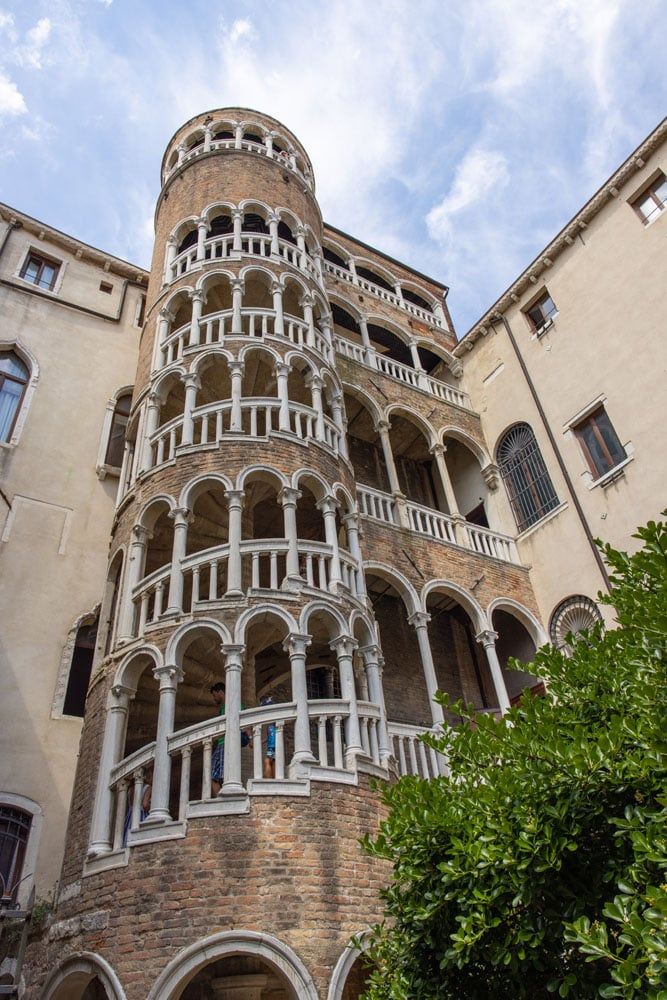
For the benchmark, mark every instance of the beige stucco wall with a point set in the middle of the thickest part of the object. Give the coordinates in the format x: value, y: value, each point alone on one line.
x: 606, y: 343
x: 54, y: 544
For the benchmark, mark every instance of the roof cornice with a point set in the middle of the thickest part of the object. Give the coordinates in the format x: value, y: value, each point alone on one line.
x: 566, y: 237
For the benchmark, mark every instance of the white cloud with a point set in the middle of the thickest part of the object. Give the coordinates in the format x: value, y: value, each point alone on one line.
x: 12, y: 101
x: 29, y: 54
x: 479, y: 173
x: 240, y: 29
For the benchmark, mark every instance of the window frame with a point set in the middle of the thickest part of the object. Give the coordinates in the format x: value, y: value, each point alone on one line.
x: 647, y: 190
x: 24, y: 383
x: 547, y: 318
x: 30, y: 361
x: 102, y: 467
x: 28, y: 806
x: 586, y: 420
x: 43, y: 259
x: 534, y: 485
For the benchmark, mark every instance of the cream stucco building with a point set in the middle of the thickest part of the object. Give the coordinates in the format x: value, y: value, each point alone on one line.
x: 315, y: 493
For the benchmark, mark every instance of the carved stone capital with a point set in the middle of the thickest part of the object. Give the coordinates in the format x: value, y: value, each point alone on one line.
x: 419, y: 619
x: 296, y: 644
x: 344, y: 645
x: 491, y: 475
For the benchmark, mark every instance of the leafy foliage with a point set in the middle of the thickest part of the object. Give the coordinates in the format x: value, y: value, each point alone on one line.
x: 537, y: 867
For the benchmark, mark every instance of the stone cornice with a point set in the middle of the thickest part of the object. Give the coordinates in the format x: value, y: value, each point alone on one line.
x: 566, y: 237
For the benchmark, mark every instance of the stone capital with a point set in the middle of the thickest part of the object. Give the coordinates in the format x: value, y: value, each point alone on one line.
x: 344, y: 645
x: 288, y: 496
x: 238, y: 285
x: 119, y: 696
x: 172, y: 241
x: 382, y: 425
x: 234, y: 653
x: 327, y: 505
x: 438, y: 448
x: 491, y: 474
x: 487, y: 637
x: 419, y: 619
x: 351, y: 519
x: 197, y: 295
x: 370, y: 653
x: 296, y: 644
x: 234, y: 498
x: 236, y: 367
x: 313, y: 381
x: 306, y: 300
x: 141, y: 534
x: 167, y: 314
x: 169, y: 675
x: 276, y: 288
x: 191, y: 379
x: 281, y: 368
x: 181, y: 516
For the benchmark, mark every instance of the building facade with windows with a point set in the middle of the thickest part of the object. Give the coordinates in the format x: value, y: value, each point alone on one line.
x: 316, y: 498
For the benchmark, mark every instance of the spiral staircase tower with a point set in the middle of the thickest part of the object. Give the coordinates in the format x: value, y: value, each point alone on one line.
x: 236, y: 559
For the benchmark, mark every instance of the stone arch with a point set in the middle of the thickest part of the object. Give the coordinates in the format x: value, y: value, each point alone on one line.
x: 147, y: 515
x: 208, y: 278
x: 338, y: 299
x: 339, y: 490
x: 223, y: 124
x: 287, y: 216
x: 327, y: 611
x: 287, y: 278
x: 183, y: 227
x: 398, y: 581
x: 195, y: 486
x: 379, y: 269
x: 360, y: 620
x: 132, y: 666
x: 313, y: 478
x: 478, y: 450
x: 202, y: 360
x: 344, y: 965
x: 523, y: 614
x: 414, y: 418
x: 215, y: 207
x: 259, y: 349
x: 276, y: 478
x: 76, y: 973
x: 180, y: 292
x: 183, y: 636
x: 164, y: 383
x: 366, y: 401
x: 461, y: 596
x: 248, y: 617
x: 413, y: 286
x: 182, y: 969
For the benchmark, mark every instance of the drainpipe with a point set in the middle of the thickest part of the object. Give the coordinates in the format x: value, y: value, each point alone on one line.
x: 561, y: 464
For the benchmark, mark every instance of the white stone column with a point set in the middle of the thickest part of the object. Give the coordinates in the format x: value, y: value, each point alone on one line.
x: 150, y: 427
x: 317, y: 257
x: 419, y: 620
x: 202, y: 233
x: 233, y: 667
x: 279, y: 321
x: 234, y: 500
x: 165, y: 319
x: 488, y: 640
x: 288, y: 498
x: 339, y: 420
x: 198, y: 298
x: 168, y: 677
x: 371, y: 658
x: 281, y: 371
x: 118, y: 701
x: 353, y: 271
x: 236, y: 369
x: 365, y: 336
x: 314, y: 383
x: 398, y: 290
x: 296, y: 646
x: 414, y: 354
x: 344, y: 648
x: 268, y: 142
x: 301, y: 244
x: 273, y: 232
x: 237, y: 304
x: 172, y: 245
x: 237, y: 221
x: 238, y: 136
x: 328, y: 507
x: 208, y: 135
x: 307, y: 303
x: 438, y: 452
x: 134, y: 572
x: 382, y: 427
x: 192, y: 385
x: 351, y: 522
x: 181, y: 154
x: 181, y: 517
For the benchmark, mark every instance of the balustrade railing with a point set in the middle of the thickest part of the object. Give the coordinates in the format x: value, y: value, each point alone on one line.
x: 402, y: 373
x: 425, y: 315
x: 219, y: 145
x: 441, y: 527
x: 411, y: 753
x: 206, y: 579
x: 252, y: 244
x: 257, y: 417
x: 214, y: 328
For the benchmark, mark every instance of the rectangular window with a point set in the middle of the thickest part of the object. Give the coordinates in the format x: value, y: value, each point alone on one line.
x: 106, y: 286
x: 602, y: 449
x: 651, y: 202
x: 40, y: 271
x: 541, y: 313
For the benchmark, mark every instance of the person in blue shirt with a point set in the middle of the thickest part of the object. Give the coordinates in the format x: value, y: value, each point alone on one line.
x: 269, y: 763
x: 218, y: 755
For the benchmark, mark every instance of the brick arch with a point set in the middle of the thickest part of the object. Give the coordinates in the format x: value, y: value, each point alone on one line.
x: 403, y: 586
x: 185, y: 966
x: 522, y: 614
x: 344, y: 965
x: 327, y: 611
x: 245, y: 621
x: 182, y: 637
x: 132, y: 666
x: 461, y: 596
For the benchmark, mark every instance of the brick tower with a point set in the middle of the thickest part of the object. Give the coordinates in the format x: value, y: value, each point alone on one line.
x: 303, y: 518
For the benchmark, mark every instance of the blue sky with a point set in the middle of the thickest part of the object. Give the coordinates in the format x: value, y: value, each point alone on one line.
x: 457, y: 137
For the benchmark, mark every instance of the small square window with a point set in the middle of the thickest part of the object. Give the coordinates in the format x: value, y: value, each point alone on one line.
x: 651, y: 202
x: 542, y: 312
x: 106, y: 286
x: 40, y: 271
x: 599, y: 441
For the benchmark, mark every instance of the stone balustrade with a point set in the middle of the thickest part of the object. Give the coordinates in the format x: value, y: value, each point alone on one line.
x: 415, y: 378
x: 441, y: 527
x: 215, y: 328
x: 219, y: 248
x: 425, y: 315
x: 232, y: 145
x: 411, y: 754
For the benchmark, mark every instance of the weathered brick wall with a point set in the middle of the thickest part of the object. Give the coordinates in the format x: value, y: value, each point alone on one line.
x: 292, y: 868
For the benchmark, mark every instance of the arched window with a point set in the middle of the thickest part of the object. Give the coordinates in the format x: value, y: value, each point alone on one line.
x: 80, y: 667
x: 525, y: 475
x: 14, y: 377
x: 573, y: 615
x: 116, y: 442
x: 14, y: 831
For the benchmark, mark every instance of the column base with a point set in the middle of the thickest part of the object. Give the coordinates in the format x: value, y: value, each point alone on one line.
x: 300, y: 765
x: 234, y: 594
x: 158, y: 816
x: 231, y: 788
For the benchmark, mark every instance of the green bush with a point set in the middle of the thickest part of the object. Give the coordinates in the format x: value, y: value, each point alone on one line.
x: 538, y: 866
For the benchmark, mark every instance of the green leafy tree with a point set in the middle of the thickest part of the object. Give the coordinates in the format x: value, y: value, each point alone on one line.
x: 537, y: 867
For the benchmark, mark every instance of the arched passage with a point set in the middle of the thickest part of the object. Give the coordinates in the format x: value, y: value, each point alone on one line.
x: 84, y: 977
x: 515, y: 641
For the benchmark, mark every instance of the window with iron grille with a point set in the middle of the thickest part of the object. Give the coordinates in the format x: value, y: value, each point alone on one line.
x: 525, y: 475
x: 14, y: 830
x: 317, y: 684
